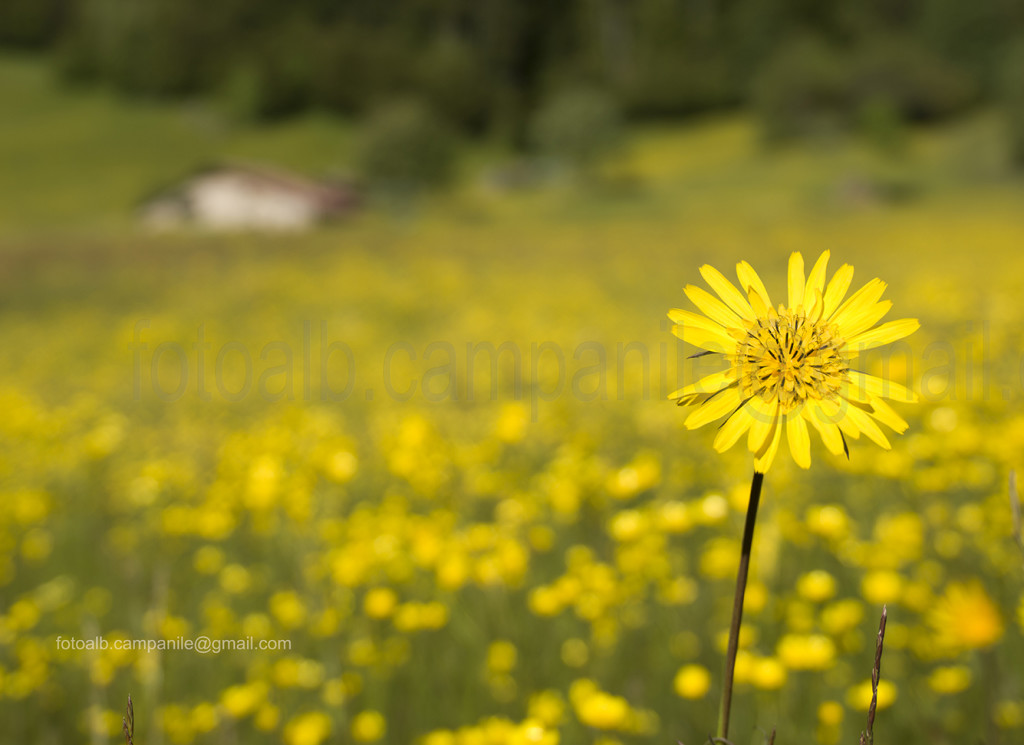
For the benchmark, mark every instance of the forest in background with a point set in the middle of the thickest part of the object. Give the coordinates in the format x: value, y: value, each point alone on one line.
x: 486, y: 66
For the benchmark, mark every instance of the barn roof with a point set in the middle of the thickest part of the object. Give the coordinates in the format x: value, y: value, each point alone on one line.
x: 330, y: 195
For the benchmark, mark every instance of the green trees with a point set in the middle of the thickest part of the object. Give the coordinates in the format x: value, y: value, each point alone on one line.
x: 1012, y: 96
x: 403, y: 149
x: 489, y: 66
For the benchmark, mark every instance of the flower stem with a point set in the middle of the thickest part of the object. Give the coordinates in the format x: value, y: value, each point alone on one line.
x: 737, y: 606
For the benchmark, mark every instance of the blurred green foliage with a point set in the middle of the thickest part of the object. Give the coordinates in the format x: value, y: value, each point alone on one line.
x: 579, y: 126
x: 488, y: 66
x: 403, y: 149
x: 1012, y: 92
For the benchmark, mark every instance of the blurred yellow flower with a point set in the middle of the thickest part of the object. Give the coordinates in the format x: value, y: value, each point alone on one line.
x: 208, y: 560
x: 882, y: 586
x: 768, y: 674
x: 575, y: 652
x: 512, y: 421
x: 692, y: 681
x: 949, y: 680
x: 859, y: 697
x: 1009, y: 714
x: 816, y: 585
x: 235, y: 578
x: 532, y: 732
x: 828, y: 521
x: 628, y: 525
x: 287, y: 607
x: 791, y: 367
x: 602, y: 710
x: 964, y: 617
x: 380, y: 602
x: 241, y: 700
x: 341, y: 466
x: 368, y: 726
x: 204, y: 717
x: 830, y: 713
x: 311, y: 728
x: 501, y: 656
x: 842, y: 615
x: 806, y: 652
x: 547, y: 707
x: 439, y: 737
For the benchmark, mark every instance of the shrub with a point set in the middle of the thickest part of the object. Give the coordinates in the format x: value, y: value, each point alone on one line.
x: 802, y: 90
x: 580, y: 126
x: 1011, y: 92
x: 404, y: 148
x: 918, y: 85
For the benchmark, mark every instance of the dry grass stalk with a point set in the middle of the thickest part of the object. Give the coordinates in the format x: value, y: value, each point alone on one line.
x: 128, y: 723
x: 867, y: 737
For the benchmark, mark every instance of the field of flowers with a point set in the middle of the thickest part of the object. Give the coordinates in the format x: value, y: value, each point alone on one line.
x: 431, y: 465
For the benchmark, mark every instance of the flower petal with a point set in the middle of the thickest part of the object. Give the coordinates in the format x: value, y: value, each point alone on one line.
x: 883, y: 387
x: 837, y: 288
x: 830, y: 434
x: 884, y: 413
x: 884, y: 334
x: 727, y: 291
x: 712, y: 307
x: 749, y: 280
x: 863, y: 298
x: 757, y: 303
x: 733, y: 428
x: 763, y: 459
x: 708, y: 384
x: 796, y: 279
x: 867, y: 425
x: 764, y: 415
x: 866, y: 319
x: 799, y: 442
x: 816, y: 280
x: 713, y: 341
x: 714, y: 408
x: 688, y: 317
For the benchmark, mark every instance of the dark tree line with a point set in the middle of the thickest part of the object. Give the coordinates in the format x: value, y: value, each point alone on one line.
x: 486, y: 64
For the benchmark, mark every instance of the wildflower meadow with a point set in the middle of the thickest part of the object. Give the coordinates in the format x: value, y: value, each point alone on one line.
x: 418, y: 480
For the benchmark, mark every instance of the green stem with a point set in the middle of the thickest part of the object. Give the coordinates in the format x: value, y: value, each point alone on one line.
x: 737, y: 606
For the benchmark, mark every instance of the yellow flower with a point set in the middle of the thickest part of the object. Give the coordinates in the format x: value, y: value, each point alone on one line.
x: 532, y: 732
x: 830, y: 713
x: 810, y: 652
x: 768, y: 674
x: 859, y: 697
x: 948, y: 680
x: 241, y: 700
x: 501, y: 656
x: 692, y: 681
x: 288, y: 608
x: 547, y: 707
x: 883, y: 586
x: 966, y: 618
x: 380, y: 602
x: 790, y: 367
x: 308, y: 729
x: 816, y: 586
x: 368, y: 726
x: 603, y: 710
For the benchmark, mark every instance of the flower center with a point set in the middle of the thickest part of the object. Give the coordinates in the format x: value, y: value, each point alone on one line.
x: 790, y: 358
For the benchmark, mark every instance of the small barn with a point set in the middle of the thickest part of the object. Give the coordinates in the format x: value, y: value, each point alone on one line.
x: 246, y: 197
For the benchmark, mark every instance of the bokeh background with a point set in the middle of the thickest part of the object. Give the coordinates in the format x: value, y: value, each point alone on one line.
x: 426, y: 441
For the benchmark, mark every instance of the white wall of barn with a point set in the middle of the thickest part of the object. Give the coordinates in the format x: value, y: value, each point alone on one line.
x: 232, y: 201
